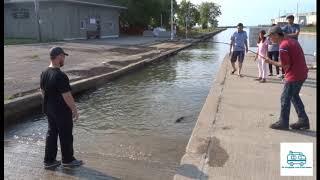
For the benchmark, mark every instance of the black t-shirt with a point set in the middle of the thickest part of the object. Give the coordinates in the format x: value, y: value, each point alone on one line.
x: 54, y: 83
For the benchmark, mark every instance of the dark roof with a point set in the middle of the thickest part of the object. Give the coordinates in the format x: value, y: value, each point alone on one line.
x: 103, y: 3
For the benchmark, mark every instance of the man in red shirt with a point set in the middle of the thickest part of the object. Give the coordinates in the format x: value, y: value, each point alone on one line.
x: 293, y: 62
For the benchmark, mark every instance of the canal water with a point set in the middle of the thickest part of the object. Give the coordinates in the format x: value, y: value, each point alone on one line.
x: 127, y: 129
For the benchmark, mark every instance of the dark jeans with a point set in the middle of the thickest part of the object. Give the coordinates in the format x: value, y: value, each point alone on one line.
x: 274, y: 55
x: 290, y: 94
x: 59, y: 124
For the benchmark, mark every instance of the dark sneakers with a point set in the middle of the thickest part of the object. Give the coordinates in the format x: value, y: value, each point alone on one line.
x: 73, y: 163
x: 262, y: 80
x: 279, y: 125
x: 300, y: 125
x: 297, y: 125
x: 52, y: 164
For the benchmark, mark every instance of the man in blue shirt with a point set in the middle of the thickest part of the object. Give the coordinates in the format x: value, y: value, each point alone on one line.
x: 291, y: 30
x: 239, y: 44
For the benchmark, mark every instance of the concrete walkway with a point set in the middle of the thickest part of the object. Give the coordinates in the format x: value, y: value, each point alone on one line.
x: 232, y: 138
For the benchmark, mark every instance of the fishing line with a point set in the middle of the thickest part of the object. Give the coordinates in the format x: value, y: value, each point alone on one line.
x: 239, y: 47
x: 313, y: 55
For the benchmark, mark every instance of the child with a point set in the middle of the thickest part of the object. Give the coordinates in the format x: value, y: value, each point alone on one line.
x: 262, y: 51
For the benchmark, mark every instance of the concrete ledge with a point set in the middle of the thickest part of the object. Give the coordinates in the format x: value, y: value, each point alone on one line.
x: 200, y: 140
x: 165, y: 34
x: 147, y: 33
x: 18, y: 108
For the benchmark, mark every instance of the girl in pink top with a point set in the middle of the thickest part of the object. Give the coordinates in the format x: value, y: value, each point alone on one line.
x: 262, y: 51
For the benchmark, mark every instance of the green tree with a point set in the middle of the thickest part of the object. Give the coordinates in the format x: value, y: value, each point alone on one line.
x: 188, y: 11
x: 209, y: 11
x: 141, y: 13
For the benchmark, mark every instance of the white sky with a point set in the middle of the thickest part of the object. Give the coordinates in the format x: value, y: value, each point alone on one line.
x: 255, y: 12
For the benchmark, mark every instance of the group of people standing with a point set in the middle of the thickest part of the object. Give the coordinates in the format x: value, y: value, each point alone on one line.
x: 278, y: 47
x: 266, y: 48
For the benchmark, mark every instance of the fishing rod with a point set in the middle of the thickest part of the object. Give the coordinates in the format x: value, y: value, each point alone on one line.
x: 239, y: 47
x: 313, y: 55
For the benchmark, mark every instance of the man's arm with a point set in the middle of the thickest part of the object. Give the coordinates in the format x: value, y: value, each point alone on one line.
x: 68, y: 98
x: 246, y: 44
x: 295, y: 34
x: 275, y: 63
x: 284, y: 58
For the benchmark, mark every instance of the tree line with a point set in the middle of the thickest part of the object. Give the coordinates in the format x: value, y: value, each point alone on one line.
x: 144, y: 13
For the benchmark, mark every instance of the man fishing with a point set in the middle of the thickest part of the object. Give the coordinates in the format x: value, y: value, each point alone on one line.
x: 296, y: 72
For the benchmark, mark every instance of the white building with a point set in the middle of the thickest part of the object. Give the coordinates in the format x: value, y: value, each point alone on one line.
x: 304, y: 19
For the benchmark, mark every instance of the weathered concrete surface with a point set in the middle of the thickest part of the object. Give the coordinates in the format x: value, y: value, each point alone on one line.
x: 106, y: 156
x: 83, y: 74
x: 232, y: 138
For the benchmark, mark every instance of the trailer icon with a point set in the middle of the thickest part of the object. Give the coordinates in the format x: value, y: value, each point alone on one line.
x: 296, y: 158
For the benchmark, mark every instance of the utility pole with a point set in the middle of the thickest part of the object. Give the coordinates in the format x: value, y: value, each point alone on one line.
x: 161, y: 19
x: 36, y: 9
x: 186, y: 27
x: 187, y: 18
x: 297, y: 13
x: 171, y: 20
x: 278, y: 17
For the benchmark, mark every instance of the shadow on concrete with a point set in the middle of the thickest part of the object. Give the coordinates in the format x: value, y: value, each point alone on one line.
x: 83, y: 172
x: 191, y: 171
x: 310, y: 133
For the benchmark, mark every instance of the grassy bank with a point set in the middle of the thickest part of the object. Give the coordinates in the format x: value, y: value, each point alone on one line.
x: 308, y: 29
x: 14, y: 41
x: 193, y: 33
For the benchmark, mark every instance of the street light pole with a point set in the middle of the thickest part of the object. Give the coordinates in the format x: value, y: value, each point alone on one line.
x: 297, y: 13
x: 36, y: 9
x: 186, y: 27
x: 171, y: 20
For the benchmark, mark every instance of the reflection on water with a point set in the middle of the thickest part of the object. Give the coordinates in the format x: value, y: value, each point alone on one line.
x: 152, y: 100
x: 308, y: 43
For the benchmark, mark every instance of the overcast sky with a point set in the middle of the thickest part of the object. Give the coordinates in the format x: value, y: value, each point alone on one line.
x: 254, y: 12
